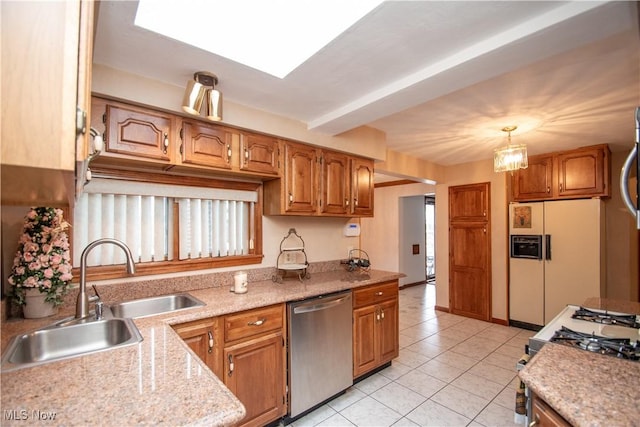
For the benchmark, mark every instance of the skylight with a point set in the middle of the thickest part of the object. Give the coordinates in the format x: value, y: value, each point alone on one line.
x: 274, y: 36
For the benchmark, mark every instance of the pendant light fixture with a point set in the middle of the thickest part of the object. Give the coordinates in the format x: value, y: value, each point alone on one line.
x: 511, y: 157
x: 200, y: 88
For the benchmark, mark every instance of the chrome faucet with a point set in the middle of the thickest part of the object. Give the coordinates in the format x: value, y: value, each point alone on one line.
x: 82, y: 305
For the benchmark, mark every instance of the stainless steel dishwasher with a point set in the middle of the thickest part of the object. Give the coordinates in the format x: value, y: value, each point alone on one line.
x: 320, y: 350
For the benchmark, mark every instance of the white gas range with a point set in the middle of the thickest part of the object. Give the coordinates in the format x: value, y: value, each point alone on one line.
x: 599, y: 331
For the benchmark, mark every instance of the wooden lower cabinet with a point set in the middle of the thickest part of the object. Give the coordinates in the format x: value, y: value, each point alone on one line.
x: 544, y: 415
x: 375, y: 327
x: 203, y: 337
x: 254, y: 362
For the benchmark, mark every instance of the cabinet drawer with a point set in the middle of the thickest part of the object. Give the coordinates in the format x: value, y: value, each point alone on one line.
x: 253, y: 322
x: 375, y: 294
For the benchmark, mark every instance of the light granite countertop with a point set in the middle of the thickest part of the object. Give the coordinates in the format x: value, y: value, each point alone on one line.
x: 587, y: 389
x: 158, y: 381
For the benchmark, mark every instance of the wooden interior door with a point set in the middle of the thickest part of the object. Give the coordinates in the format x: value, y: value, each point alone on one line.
x: 470, y: 251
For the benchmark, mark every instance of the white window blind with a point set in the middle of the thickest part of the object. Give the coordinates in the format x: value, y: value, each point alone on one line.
x: 212, y: 222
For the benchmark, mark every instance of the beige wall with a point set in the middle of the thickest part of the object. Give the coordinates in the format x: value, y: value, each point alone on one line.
x: 621, y: 241
x: 379, y: 235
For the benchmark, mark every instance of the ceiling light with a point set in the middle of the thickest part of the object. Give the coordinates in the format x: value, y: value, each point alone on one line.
x: 511, y: 157
x: 200, y: 88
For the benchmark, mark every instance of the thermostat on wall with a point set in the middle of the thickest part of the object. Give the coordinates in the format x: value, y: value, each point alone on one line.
x: 352, y: 230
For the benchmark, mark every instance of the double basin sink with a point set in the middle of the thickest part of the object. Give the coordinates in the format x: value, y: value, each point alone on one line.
x: 76, y: 337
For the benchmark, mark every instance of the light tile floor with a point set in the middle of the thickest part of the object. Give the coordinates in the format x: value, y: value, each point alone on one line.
x: 452, y: 371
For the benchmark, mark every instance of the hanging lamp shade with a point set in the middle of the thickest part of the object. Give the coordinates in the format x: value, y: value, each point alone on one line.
x: 510, y: 157
x: 202, y: 88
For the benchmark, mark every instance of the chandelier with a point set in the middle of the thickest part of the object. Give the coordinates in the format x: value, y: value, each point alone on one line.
x: 510, y: 157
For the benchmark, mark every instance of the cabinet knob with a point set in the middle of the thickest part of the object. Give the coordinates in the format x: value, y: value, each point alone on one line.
x: 230, y: 364
x: 379, y: 293
x: 258, y: 322
x: 165, y: 144
x: 210, y: 341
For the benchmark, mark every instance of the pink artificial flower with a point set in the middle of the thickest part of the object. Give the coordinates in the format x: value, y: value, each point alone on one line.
x: 27, y: 257
x: 44, y: 259
x: 48, y: 273
x: 19, y: 270
x: 66, y: 277
x: 32, y: 214
x: 56, y: 259
x: 46, y: 284
x: 35, y: 265
x: 31, y: 282
x: 46, y: 248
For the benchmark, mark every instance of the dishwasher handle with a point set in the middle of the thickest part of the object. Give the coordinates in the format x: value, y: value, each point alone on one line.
x: 312, y: 306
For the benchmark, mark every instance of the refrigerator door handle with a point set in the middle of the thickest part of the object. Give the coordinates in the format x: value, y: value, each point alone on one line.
x: 547, y: 247
x: 624, y: 181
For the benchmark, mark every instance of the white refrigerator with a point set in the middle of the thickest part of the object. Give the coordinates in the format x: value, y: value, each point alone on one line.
x: 556, y: 257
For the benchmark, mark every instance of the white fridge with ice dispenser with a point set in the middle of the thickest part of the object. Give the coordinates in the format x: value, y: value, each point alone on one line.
x: 556, y: 257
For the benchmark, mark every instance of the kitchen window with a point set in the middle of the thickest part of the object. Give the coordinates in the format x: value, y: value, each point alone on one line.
x: 177, y: 224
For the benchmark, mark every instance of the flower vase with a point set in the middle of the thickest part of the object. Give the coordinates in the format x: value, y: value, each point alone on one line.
x: 36, y: 307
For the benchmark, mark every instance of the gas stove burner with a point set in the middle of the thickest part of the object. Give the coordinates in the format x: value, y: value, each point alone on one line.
x: 619, y: 347
x: 590, y: 344
x: 627, y: 320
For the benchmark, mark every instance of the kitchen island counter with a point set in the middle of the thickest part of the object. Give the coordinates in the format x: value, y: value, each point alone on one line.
x: 158, y: 381
x: 587, y: 389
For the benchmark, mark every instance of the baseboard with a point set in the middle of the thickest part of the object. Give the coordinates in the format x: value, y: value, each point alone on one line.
x: 524, y: 325
x: 440, y: 308
x: 409, y: 285
x: 500, y: 321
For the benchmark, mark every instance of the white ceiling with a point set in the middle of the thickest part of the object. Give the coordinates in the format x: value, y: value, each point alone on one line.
x: 440, y: 78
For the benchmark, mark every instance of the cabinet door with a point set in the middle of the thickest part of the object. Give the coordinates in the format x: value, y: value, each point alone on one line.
x: 362, y: 187
x: 259, y: 153
x: 335, y: 183
x: 254, y: 372
x: 544, y: 415
x: 137, y: 132
x: 535, y: 182
x: 582, y: 173
x: 388, y: 339
x: 203, y: 337
x: 206, y: 145
x: 300, y: 186
x: 365, y: 322
x: 469, y: 202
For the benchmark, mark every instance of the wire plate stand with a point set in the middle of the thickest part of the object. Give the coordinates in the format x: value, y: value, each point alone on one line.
x: 292, y: 259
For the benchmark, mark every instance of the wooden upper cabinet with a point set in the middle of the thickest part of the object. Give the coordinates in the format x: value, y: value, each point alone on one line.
x: 46, y: 68
x: 259, y: 153
x: 362, y: 187
x: 469, y: 203
x: 300, y: 178
x: 535, y: 182
x: 584, y: 172
x: 335, y: 198
x: 205, y: 145
x: 138, y: 132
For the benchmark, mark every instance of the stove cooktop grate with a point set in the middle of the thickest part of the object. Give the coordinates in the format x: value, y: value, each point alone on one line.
x: 626, y: 320
x: 619, y: 347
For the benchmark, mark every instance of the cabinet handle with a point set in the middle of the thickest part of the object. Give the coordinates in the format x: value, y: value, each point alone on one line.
x: 229, y: 152
x: 484, y: 213
x: 258, y: 322
x: 377, y: 314
x: 560, y: 186
x: 535, y: 421
x: 346, y: 202
x: 484, y: 230
x: 230, y: 364
x: 165, y: 144
x: 210, y: 341
x: 379, y: 293
x: 548, y: 189
x: 290, y: 199
x: 246, y: 154
x: 382, y: 314
x: 355, y: 201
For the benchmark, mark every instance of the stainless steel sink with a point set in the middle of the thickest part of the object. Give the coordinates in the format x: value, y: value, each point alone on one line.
x: 155, y: 305
x: 64, y: 342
